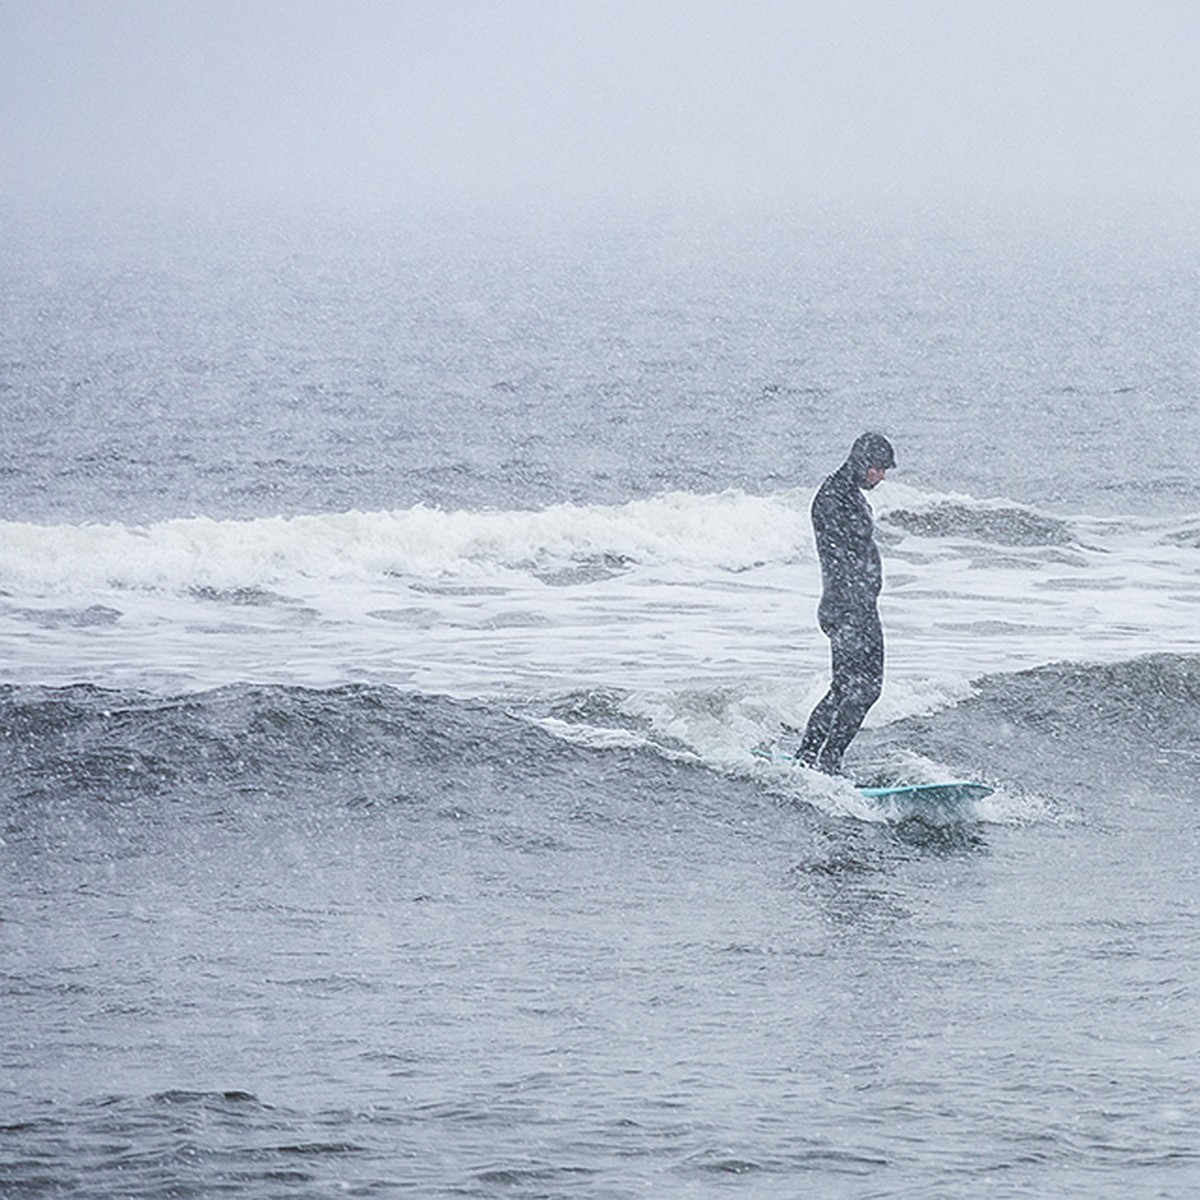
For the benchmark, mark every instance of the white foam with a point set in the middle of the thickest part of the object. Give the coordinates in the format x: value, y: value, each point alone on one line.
x: 727, y: 531
x: 594, y: 737
x: 833, y: 795
x: 699, y: 608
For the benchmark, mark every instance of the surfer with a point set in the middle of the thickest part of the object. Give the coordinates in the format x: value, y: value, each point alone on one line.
x: 851, y: 578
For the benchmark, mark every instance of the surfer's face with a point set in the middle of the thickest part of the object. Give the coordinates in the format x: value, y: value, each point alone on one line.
x: 875, y: 475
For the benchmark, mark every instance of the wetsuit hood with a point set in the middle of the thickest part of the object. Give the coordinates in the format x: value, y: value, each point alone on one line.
x: 869, y: 450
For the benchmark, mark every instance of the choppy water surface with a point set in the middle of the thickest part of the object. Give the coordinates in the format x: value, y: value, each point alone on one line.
x: 388, y: 616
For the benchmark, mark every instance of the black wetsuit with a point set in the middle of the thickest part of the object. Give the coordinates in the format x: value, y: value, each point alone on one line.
x: 851, y: 577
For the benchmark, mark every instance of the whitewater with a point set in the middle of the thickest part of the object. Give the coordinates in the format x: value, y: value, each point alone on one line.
x: 672, y: 592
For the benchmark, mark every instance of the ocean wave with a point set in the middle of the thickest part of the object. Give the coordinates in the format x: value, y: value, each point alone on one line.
x: 248, y: 561
x: 563, y: 544
x: 86, y: 742
x: 1007, y: 526
x: 1037, y: 735
x: 1078, y: 731
x: 681, y: 595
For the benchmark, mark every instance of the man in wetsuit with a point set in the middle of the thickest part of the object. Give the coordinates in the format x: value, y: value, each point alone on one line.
x: 851, y: 578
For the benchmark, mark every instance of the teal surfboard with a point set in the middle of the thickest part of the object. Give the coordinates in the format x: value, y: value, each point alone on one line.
x: 905, y: 795
x: 955, y: 792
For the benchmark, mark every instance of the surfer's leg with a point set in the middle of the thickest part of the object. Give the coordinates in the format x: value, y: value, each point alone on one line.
x: 857, y: 652
x: 816, y: 732
x: 813, y: 746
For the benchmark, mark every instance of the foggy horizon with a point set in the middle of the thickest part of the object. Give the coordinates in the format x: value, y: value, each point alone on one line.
x: 614, y: 103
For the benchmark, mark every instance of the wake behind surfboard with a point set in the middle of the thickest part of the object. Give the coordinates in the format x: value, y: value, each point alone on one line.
x: 909, y: 798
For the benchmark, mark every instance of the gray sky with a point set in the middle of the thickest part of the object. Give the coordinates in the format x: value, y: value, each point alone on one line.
x: 759, y: 101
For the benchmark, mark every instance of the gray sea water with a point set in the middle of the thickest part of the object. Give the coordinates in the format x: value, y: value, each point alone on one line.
x: 388, y: 607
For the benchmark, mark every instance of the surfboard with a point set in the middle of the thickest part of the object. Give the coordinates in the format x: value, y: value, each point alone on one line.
x: 953, y: 792
x: 912, y: 796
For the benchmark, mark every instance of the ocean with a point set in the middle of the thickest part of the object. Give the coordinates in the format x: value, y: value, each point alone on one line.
x: 389, y: 606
